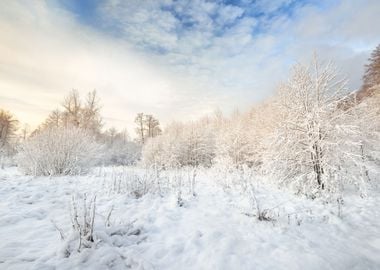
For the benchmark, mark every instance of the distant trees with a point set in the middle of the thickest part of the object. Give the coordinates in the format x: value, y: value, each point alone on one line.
x: 367, y: 113
x: 77, y: 129
x: 147, y: 126
x: 371, y: 80
x: 366, y: 109
x: 199, y: 144
x: 371, y: 76
x: 54, y: 119
x: 140, y: 129
x: 152, y: 126
x: 118, y: 149
x: 233, y: 145
x: 262, y: 122
x: 8, y: 127
x: 190, y: 144
x: 310, y: 136
x: 81, y: 114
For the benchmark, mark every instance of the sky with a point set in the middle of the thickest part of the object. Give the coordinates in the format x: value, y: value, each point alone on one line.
x: 178, y: 60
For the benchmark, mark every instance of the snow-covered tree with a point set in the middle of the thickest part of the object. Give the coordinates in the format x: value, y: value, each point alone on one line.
x: 198, y: 144
x: 91, y: 119
x: 166, y: 150
x: 262, y: 121
x: 190, y: 144
x: 367, y: 115
x: 371, y: 76
x: 314, y: 146
x: 147, y: 126
x: 140, y: 128
x: 152, y: 126
x: 58, y: 151
x: 233, y: 145
x: 81, y: 114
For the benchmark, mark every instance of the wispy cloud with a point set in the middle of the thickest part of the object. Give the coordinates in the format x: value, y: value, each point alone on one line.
x: 176, y: 59
x: 237, y: 47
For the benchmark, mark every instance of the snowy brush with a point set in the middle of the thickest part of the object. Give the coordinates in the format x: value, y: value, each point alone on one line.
x: 82, y: 220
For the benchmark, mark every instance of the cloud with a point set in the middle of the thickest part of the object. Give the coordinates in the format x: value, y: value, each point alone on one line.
x: 237, y: 48
x: 176, y: 59
x: 46, y: 54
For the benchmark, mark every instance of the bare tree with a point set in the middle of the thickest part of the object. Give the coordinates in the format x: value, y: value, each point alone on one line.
x: 25, y: 131
x: 84, y: 115
x: 90, y: 113
x: 54, y: 119
x: 72, y: 109
x: 152, y: 126
x: 147, y: 127
x: 140, y: 129
x: 8, y: 128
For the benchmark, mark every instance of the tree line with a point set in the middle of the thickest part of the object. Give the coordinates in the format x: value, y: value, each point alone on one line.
x: 313, y: 135
x: 82, y: 117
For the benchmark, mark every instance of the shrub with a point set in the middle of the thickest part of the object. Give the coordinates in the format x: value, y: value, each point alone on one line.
x: 58, y: 151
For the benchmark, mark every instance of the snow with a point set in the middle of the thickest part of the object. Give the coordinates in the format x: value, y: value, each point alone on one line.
x: 216, y: 229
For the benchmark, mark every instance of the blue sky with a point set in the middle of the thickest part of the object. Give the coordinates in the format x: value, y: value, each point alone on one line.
x: 92, y: 13
x: 176, y: 59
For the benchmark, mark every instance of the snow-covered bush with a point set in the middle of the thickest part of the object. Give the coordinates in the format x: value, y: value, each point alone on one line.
x: 199, y: 144
x: 233, y: 145
x: 153, y: 153
x: 6, y: 159
x: 181, y: 145
x: 121, y: 153
x: 58, y: 151
x: 118, y: 149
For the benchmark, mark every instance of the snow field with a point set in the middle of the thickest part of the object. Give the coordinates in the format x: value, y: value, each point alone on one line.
x: 216, y: 229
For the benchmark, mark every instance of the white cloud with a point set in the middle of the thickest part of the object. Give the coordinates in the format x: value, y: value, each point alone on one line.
x: 46, y: 55
x: 176, y: 59
x: 238, y: 55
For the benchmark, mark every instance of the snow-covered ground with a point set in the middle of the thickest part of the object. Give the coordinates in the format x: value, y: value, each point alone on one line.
x: 216, y: 229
